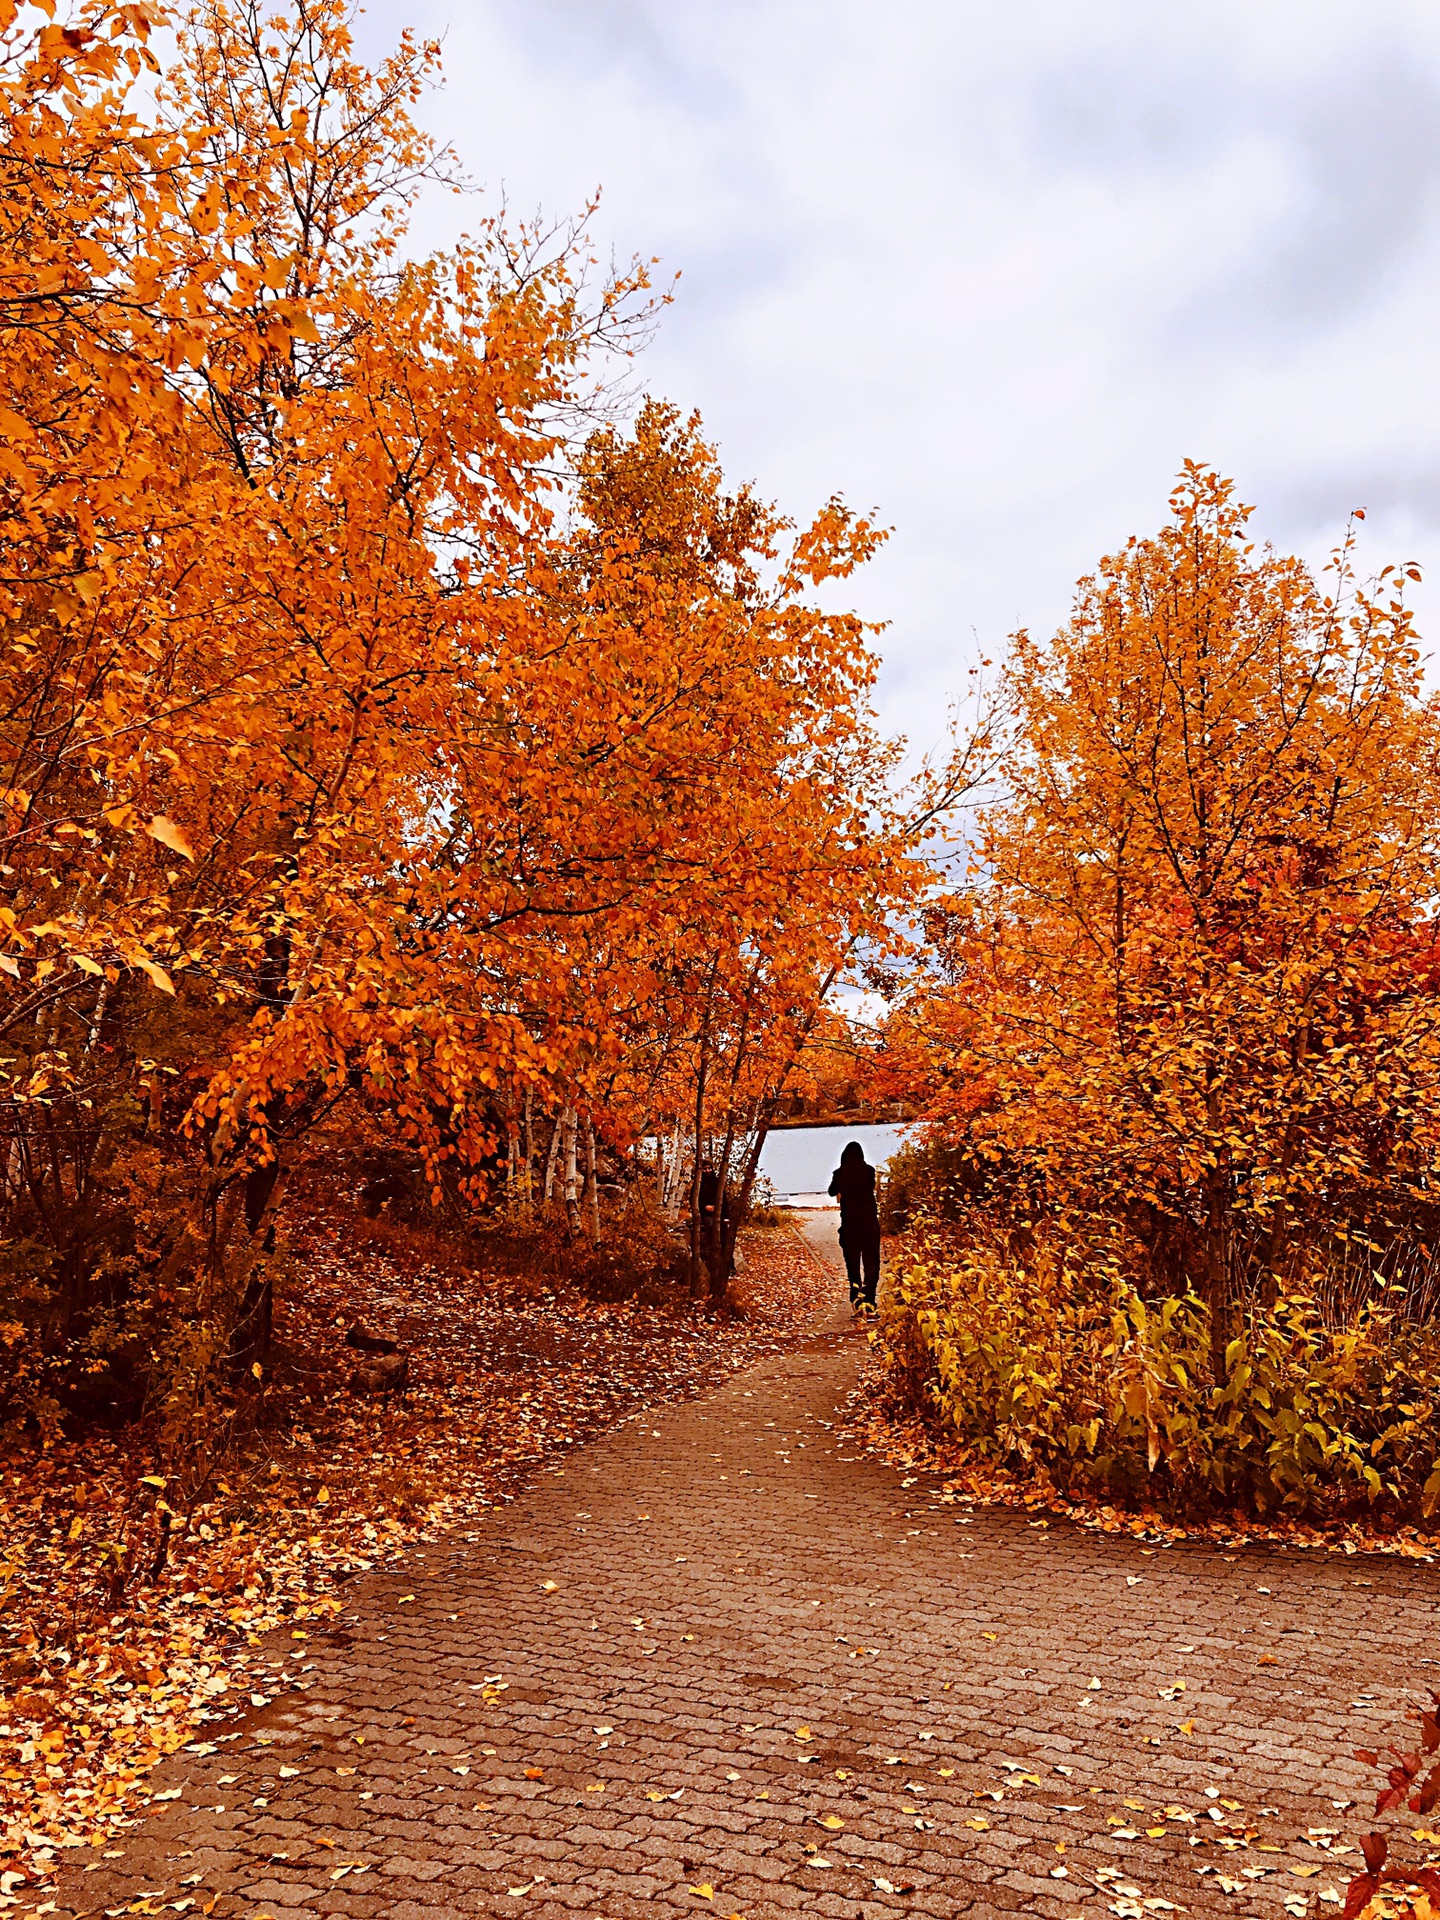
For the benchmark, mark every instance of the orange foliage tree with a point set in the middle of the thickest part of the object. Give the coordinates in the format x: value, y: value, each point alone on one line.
x: 353, y: 752
x: 1189, y: 989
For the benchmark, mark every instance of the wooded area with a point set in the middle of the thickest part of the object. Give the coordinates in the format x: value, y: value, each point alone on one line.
x: 1180, y: 1027
x: 445, y: 827
x: 391, y: 748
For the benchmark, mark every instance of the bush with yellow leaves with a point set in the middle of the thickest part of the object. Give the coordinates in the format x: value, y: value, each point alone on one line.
x: 1041, y: 1357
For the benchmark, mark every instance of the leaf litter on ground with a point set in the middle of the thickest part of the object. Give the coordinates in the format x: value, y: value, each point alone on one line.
x: 104, y: 1672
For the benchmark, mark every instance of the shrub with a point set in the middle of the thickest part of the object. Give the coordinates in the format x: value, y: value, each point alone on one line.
x: 1042, y: 1357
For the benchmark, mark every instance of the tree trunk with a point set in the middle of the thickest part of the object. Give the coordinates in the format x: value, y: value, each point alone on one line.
x: 592, y: 1183
x: 701, y: 1078
x: 264, y: 1189
x: 572, y: 1175
x: 674, y: 1167
x: 550, y: 1162
x: 1215, y: 1287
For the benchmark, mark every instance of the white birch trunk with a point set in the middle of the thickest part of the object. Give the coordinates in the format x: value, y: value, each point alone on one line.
x: 592, y: 1183
x: 572, y: 1172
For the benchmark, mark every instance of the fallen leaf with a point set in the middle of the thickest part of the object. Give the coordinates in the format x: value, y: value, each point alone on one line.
x: 534, y: 1773
x: 833, y: 1822
x: 705, y: 1891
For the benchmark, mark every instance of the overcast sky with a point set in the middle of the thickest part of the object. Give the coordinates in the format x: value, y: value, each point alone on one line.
x: 996, y: 268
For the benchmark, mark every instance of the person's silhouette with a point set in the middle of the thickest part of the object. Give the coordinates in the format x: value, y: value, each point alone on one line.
x: 853, y: 1185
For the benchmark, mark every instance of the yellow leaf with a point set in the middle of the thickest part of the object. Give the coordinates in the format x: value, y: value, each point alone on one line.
x: 169, y: 835
x: 833, y: 1822
x: 705, y: 1890
x: 156, y: 975
x: 86, y: 964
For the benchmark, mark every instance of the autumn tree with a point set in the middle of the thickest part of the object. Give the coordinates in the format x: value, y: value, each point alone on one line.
x: 708, y: 726
x: 1189, y: 986
x: 368, y: 740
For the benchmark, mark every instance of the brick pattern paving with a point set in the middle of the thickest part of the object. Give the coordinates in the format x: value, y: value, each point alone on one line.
x: 715, y: 1664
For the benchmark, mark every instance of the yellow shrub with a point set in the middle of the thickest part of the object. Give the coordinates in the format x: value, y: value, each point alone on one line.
x: 1050, y: 1361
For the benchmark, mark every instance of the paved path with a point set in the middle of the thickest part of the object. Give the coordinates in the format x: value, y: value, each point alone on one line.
x: 718, y: 1666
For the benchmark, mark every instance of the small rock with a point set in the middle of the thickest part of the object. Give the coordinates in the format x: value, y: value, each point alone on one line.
x: 386, y: 1374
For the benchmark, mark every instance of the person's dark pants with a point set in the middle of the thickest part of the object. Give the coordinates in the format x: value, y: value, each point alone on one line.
x: 861, y: 1247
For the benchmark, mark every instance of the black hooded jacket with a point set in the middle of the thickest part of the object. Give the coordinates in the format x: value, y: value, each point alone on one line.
x: 853, y: 1185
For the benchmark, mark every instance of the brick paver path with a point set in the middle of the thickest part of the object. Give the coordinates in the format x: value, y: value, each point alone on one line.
x: 717, y: 1665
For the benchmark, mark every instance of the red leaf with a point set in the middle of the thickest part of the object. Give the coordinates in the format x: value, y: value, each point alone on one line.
x: 1358, y: 1895
x: 1367, y: 1756
x: 1375, y: 1846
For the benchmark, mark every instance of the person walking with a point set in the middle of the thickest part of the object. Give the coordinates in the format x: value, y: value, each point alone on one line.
x: 853, y: 1185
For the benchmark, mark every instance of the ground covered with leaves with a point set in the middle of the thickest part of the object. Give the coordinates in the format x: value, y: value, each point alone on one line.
x: 129, y: 1603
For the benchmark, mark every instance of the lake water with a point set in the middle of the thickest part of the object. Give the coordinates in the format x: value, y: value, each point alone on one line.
x: 798, y: 1161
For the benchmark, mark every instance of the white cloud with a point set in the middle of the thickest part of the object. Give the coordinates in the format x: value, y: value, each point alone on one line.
x: 997, y: 270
